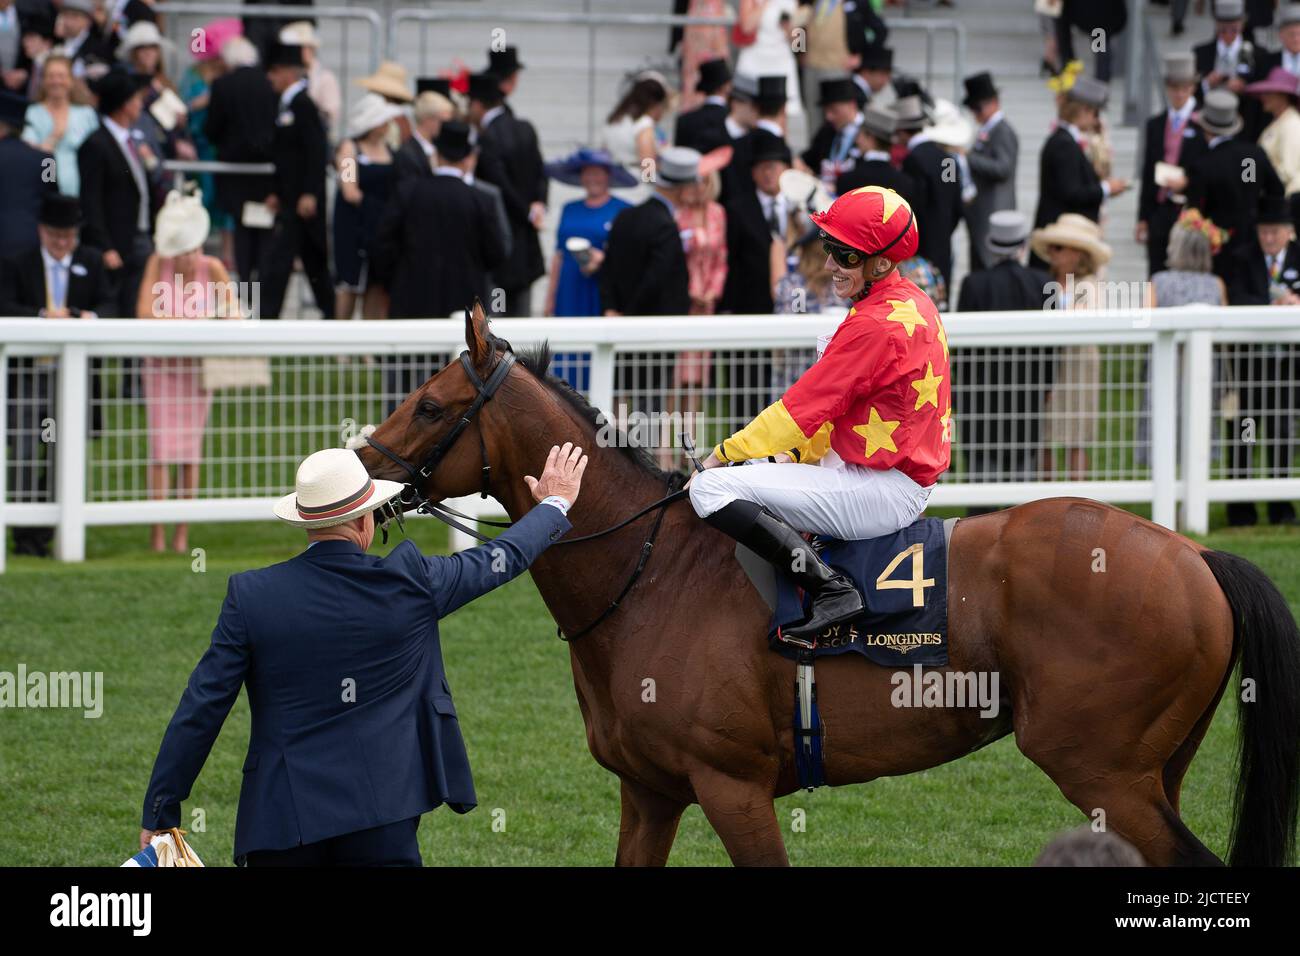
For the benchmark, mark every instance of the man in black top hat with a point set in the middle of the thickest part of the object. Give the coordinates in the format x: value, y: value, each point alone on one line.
x: 57, y: 279
x: 993, y: 158
x: 874, y: 75
x: 118, y: 198
x: 437, y: 243
x: 25, y: 175
x: 511, y: 160
x: 1265, y: 271
x: 705, y: 127
x: 299, y: 151
x: 831, y: 150
x: 505, y: 65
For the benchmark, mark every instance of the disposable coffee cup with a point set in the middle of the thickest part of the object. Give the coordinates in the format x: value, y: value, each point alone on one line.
x: 579, y: 248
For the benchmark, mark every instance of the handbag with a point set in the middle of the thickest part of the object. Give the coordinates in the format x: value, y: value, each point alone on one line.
x: 167, y: 848
x: 226, y: 372
x: 750, y: 13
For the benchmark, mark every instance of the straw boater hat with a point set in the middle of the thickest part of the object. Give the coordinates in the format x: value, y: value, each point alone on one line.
x: 1074, y: 232
x: 370, y: 112
x: 389, y: 81
x: 182, y: 226
x: 333, y: 487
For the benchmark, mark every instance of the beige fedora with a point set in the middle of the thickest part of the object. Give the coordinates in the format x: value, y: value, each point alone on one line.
x: 390, y: 81
x: 1075, y: 232
x: 333, y: 487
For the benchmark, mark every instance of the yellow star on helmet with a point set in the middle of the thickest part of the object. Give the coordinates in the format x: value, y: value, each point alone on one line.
x: 907, y: 314
x: 877, y: 432
x: 927, y: 389
x: 943, y: 338
x: 891, y: 199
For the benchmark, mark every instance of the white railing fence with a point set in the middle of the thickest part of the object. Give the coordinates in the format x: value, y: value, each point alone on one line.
x: 1173, y: 408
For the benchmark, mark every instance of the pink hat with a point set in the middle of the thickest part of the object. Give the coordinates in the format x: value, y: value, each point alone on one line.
x: 207, y: 44
x: 1277, y: 81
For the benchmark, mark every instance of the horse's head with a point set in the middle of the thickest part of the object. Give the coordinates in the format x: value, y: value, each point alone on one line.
x: 428, y: 431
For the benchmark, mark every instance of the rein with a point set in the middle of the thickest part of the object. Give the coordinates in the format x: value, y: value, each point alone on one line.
x: 411, y: 496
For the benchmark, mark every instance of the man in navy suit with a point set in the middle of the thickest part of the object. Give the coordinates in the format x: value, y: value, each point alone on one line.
x: 354, y: 729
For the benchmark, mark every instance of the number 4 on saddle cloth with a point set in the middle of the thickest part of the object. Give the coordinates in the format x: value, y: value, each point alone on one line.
x: 903, y: 578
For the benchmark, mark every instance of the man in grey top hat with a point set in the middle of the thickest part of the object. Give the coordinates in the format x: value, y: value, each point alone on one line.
x: 1173, y: 138
x: 1215, y: 183
x: 1230, y: 60
x: 1003, y: 389
x: 873, y: 165
x: 1067, y: 180
x: 1288, y: 58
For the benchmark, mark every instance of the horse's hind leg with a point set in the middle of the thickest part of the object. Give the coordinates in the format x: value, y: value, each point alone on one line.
x: 648, y: 827
x: 742, y: 815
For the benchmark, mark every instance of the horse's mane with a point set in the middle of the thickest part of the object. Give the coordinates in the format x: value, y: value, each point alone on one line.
x: 537, y: 360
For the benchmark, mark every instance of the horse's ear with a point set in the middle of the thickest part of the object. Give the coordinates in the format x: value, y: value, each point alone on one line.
x: 477, y: 336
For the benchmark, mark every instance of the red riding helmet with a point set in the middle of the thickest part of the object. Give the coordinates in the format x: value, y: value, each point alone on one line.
x: 874, y: 220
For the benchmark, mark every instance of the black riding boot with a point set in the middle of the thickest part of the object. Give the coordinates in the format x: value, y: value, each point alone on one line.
x: 835, y: 599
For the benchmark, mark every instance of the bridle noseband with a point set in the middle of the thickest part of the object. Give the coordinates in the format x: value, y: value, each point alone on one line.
x: 413, y: 494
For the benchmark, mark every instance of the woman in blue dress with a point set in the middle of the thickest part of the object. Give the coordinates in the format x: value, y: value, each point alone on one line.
x: 365, y: 168
x: 573, y: 289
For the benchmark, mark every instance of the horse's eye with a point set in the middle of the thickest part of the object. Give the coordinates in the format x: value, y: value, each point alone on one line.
x: 430, y: 410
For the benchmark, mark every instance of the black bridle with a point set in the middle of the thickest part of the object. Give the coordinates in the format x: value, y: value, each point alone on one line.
x: 413, y: 497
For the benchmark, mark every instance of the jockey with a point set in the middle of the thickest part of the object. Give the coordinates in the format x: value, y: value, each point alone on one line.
x: 854, y: 447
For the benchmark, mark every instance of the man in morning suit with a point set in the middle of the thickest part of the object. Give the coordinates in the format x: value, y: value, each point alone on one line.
x: 511, y: 160
x: 1067, y: 180
x: 934, y: 188
x: 993, y: 159
x: 1216, y: 184
x: 438, y: 240
x: 1173, y: 138
x: 58, y: 279
x: 354, y: 730
x: 24, y: 179
x: 241, y: 118
x: 705, y: 127
x: 299, y: 151
x: 874, y: 165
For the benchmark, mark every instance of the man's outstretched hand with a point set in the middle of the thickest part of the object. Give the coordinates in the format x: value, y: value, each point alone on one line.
x: 562, y: 475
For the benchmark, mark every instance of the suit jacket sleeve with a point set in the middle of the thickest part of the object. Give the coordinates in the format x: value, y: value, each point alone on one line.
x: 388, y: 238
x: 1072, y: 189
x: 207, y: 700
x: 457, y: 579
x: 493, y: 229
x: 608, y: 273
x: 91, y: 165
x: 307, y: 118
x: 102, y: 298
x: 11, y: 300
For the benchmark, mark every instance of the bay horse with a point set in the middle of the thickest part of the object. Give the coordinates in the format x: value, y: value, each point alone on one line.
x: 1108, y: 679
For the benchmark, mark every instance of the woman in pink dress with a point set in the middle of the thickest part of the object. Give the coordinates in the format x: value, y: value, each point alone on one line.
x: 702, y: 222
x: 180, y: 282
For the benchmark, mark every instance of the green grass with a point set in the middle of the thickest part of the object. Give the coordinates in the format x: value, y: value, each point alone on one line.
x: 71, y: 788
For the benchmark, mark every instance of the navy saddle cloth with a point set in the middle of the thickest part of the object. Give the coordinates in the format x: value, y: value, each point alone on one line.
x: 903, y: 578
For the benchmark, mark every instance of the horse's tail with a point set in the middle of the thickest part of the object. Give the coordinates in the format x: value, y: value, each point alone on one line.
x: 1268, y: 757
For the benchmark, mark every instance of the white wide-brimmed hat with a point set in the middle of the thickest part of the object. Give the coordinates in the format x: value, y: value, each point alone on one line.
x: 333, y: 487
x: 369, y: 112
x: 142, y: 33
x: 183, y: 225
x: 300, y: 33
x: 1074, y: 232
x: 951, y: 127
x: 805, y: 191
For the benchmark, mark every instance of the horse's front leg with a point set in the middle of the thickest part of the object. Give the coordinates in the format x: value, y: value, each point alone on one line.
x: 743, y: 816
x: 648, y: 827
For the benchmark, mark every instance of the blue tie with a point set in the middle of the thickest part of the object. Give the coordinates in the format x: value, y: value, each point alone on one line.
x: 59, y: 278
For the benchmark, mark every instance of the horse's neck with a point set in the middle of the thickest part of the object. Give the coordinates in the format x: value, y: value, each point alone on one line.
x: 578, y: 582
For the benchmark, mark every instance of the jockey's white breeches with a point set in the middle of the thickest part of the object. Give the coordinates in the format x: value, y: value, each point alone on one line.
x: 833, y: 497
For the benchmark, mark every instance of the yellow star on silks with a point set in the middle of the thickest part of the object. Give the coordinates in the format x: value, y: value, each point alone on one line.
x: 946, y: 422
x: 891, y: 199
x: 943, y: 339
x: 877, y: 432
x: 927, y: 389
x: 906, y: 314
